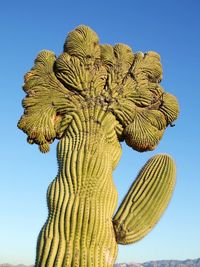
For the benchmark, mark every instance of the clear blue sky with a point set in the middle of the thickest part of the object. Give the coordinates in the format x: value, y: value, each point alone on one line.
x: 172, y: 28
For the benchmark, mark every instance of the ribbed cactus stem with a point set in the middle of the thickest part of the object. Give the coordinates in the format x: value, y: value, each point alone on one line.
x: 82, y: 198
x: 146, y: 200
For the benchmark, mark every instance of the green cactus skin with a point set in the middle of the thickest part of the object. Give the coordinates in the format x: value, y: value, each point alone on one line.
x: 146, y: 200
x: 82, y: 198
x: 91, y: 98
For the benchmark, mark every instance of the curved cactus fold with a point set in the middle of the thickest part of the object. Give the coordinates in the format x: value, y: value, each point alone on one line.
x: 91, y: 98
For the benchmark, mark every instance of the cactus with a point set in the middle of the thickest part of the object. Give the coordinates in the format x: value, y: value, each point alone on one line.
x: 91, y: 98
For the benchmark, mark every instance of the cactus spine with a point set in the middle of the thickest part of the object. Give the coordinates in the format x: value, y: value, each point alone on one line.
x: 91, y: 98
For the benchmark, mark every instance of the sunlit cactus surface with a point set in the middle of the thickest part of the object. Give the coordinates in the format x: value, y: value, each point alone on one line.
x: 91, y: 98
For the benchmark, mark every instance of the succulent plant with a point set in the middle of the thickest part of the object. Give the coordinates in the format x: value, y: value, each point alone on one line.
x: 91, y: 98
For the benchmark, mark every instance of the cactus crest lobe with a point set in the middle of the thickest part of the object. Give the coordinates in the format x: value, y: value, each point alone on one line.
x: 92, y: 97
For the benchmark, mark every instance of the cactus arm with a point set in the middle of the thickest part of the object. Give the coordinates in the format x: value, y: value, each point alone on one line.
x: 146, y: 200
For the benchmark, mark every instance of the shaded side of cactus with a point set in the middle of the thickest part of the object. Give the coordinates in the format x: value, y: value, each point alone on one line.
x: 91, y: 98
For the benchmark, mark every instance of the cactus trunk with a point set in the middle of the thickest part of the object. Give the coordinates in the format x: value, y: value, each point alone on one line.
x: 82, y: 198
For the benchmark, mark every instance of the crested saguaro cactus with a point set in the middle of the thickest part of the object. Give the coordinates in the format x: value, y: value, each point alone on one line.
x: 92, y: 97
